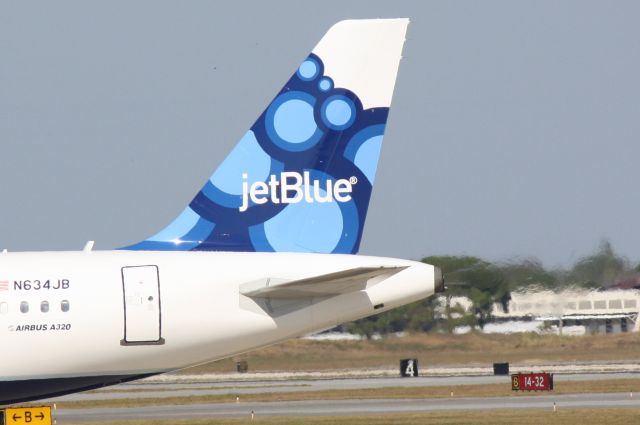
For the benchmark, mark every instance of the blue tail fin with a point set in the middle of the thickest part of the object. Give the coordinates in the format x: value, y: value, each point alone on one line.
x: 301, y: 178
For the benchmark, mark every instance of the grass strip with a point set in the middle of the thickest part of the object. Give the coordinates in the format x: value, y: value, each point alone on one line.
x: 492, y: 417
x: 433, y: 349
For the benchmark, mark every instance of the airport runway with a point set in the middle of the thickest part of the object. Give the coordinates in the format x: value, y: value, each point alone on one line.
x: 164, y: 390
x: 331, y: 407
x: 348, y: 407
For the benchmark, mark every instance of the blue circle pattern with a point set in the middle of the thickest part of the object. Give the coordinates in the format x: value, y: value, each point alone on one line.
x: 309, y: 69
x: 311, y: 126
x: 338, y: 112
x: 290, y: 122
x: 325, y: 84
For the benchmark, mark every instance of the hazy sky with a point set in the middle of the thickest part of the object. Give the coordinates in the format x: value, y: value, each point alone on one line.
x: 514, y: 129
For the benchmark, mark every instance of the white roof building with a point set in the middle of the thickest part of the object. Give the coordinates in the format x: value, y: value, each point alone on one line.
x: 600, y: 311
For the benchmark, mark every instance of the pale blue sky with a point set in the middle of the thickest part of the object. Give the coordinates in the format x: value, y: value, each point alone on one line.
x: 514, y: 129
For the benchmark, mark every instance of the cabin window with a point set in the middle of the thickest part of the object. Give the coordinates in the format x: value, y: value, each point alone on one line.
x: 629, y: 303
x: 64, y: 305
x: 24, y: 307
x: 4, y: 308
x: 44, y: 306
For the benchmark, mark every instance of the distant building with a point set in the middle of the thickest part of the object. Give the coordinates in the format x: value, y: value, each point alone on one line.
x: 577, y: 311
x: 598, y: 311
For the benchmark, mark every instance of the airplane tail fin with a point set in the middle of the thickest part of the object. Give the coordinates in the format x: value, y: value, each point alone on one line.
x: 300, y: 179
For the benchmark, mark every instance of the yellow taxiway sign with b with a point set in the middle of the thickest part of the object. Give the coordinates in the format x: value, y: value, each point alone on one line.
x: 27, y: 415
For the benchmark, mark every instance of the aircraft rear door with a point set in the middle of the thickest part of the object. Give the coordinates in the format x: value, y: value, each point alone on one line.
x: 142, y: 307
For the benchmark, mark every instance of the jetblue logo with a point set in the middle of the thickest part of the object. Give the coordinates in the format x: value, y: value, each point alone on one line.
x: 291, y: 187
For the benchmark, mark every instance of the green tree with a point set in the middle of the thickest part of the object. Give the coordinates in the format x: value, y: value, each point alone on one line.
x: 600, y: 269
x: 481, y: 281
x: 418, y: 316
x: 528, y: 272
x: 485, y: 284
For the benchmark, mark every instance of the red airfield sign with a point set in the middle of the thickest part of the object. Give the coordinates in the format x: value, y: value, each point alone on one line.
x: 532, y: 381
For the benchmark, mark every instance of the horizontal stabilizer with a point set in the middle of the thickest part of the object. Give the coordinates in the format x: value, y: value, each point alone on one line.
x: 322, y: 286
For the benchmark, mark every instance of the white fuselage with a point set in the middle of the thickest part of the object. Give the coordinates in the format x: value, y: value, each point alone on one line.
x: 188, y: 311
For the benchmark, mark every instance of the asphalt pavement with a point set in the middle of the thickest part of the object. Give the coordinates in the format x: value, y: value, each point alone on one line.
x: 349, y: 407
